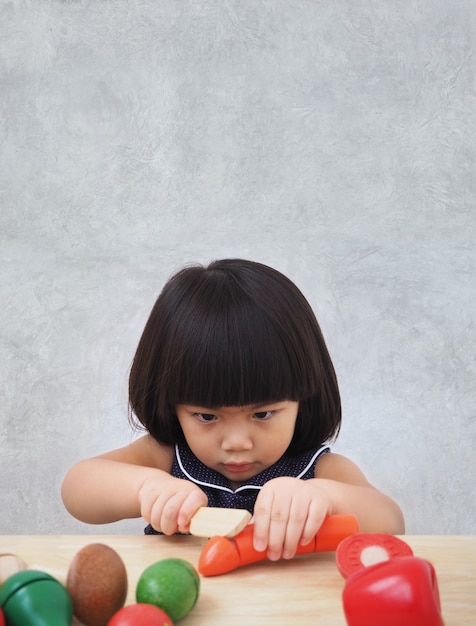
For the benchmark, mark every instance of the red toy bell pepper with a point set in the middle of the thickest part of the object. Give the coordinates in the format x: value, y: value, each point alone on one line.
x: 402, y: 591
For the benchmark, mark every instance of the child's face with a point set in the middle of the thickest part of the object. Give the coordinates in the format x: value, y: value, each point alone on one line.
x: 239, y: 442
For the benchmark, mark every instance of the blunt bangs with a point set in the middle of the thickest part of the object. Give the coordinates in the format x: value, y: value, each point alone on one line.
x: 234, y: 358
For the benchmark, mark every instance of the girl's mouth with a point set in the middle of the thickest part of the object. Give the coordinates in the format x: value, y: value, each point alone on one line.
x: 238, y: 468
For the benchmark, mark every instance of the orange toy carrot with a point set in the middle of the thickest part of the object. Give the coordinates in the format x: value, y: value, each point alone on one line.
x: 221, y: 554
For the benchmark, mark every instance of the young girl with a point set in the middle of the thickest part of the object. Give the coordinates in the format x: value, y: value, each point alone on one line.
x: 233, y: 383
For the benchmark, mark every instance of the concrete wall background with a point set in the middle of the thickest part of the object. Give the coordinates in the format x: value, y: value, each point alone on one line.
x: 332, y: 140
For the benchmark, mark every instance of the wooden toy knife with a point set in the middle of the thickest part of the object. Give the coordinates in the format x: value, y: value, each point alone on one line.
x: 214, y: 521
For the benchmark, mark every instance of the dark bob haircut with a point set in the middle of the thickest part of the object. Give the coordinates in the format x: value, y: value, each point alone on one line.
x: 234, y: 333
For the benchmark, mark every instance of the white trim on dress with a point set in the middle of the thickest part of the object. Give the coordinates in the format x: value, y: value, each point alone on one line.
x: 321, y: 450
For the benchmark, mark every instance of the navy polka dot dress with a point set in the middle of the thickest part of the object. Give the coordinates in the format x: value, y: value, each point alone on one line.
x: 218, y: 489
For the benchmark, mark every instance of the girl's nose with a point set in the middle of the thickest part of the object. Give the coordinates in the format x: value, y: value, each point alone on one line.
x: 236, y: 438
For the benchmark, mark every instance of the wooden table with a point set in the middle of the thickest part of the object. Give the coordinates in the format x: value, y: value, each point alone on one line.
x: 306, y: 590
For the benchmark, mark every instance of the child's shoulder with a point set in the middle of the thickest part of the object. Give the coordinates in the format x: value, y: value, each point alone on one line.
x: 338, y: 467
x: 144, y: 451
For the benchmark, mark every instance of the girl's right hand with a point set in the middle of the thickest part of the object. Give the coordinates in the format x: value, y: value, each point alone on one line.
x: 169, y: 503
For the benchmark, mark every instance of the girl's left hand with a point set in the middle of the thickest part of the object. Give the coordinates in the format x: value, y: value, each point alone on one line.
x: 288, y: 513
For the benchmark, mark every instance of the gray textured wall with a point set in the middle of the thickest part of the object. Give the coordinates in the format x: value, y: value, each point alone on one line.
x: 333, y: 140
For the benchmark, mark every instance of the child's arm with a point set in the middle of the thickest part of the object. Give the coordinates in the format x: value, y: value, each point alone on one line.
x: 131, y: 482
x: 350, y: 492
x: 289, y: 511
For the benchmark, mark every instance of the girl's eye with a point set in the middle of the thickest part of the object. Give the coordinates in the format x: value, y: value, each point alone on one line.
x: 205, y: 417
x: 263, y: 415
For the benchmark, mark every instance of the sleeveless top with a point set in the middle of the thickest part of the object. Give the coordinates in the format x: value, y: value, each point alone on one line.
x: 218, y: 489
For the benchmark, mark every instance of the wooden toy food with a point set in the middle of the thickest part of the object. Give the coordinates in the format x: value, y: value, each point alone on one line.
x: 171, y: 584
x: 364, y: 549
x: 97, y: 582
x: 10, y: 564
x: 221, y: 555
x: 402, y: 591
x: 140, y: 614
x: 34, y: 598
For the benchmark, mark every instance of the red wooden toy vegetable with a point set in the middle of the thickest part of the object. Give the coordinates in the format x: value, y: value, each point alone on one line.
x: 363, y: 549
x: 140, y: 615
x: 399, y: 592
x: 221, y: 554
x: 2, y: 619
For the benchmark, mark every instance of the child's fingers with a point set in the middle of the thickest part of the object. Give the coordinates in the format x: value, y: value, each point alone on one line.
x: 179, y: 508
x: 315, y: 517
x: 271, y: 523
x: 305, y: 518
x: 279, y: 530
x: 150, y: 508
x: 296, y: 527
x: 261, y: 520
x: 286, y: 518
x: 166, y: 512
x: 194, y: 500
